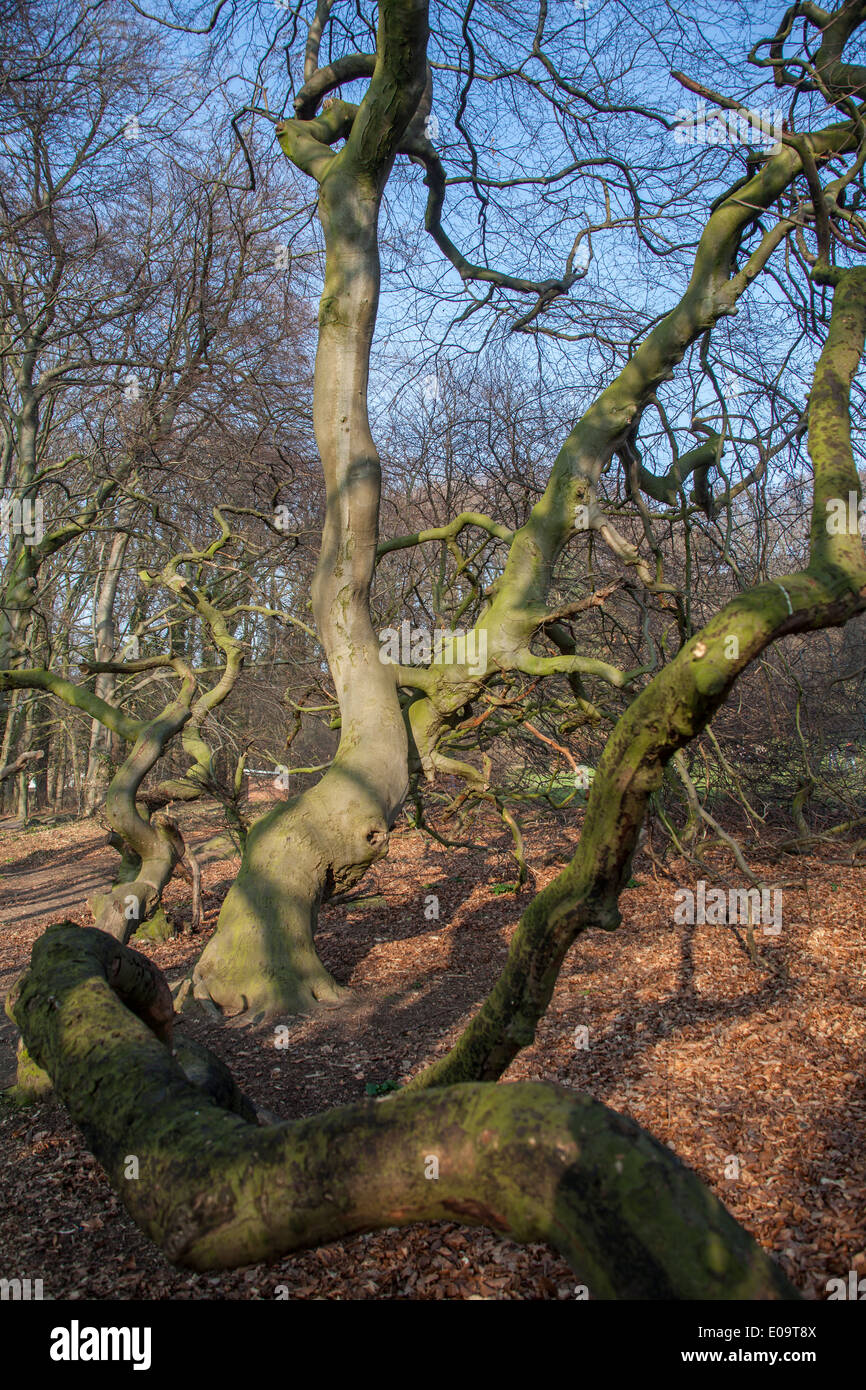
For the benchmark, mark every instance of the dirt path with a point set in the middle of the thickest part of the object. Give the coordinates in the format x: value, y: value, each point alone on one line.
x: 47, y: 873
x: 44, y: 881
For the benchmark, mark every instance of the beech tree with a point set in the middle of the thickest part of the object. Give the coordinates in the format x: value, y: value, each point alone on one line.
x: 262, y: 958
x: 97, y: 1017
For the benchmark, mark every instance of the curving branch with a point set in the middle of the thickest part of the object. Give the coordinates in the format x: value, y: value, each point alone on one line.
x: 21, y: 761
x: 76, y: 696
x: 530, y: 1160
x: 420, y: 149
x: 670, y: 711
x: 326, y: 80
x: 826, y: 72
x: 667, y: 487
x: 450, y: 531
x: 518, y: 597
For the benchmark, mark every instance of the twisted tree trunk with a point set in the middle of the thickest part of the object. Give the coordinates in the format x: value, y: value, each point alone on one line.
x: 262, y: 958
x: 671, y: 711
x: 529, y: 1160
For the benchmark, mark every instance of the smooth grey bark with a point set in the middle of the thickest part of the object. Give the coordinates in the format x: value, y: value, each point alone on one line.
x: 104, y: 632
x: 262, y: 957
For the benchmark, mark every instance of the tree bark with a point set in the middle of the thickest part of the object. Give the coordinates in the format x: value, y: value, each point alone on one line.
x: 104, y: 643
x: 262, y: 958
x: 529, y: 1160
x: 23, y: 758
x: 671, y: 711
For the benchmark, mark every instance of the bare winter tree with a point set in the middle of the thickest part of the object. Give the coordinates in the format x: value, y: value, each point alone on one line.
x: 649, y: 474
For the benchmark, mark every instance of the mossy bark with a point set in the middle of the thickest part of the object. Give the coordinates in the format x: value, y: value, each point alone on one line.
x: 671, y: 711
x: 262, y: 957
x: 32, y: 1084
x: 518, y: 604
x: 116, y: 904
x: 529, y: 1160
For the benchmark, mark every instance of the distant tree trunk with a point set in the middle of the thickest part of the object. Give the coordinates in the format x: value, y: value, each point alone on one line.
x: 24, y: 799
x: 57, y: 772
x: 75, y: 766
x: 9, y: 789
x: 95, y: 779
x: 42, y: 737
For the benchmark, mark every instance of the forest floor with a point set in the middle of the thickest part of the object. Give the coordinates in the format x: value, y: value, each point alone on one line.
x: 749, y: 1068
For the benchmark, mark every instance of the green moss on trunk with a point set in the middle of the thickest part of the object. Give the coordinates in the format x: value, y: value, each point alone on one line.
x: 530, y: 1160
